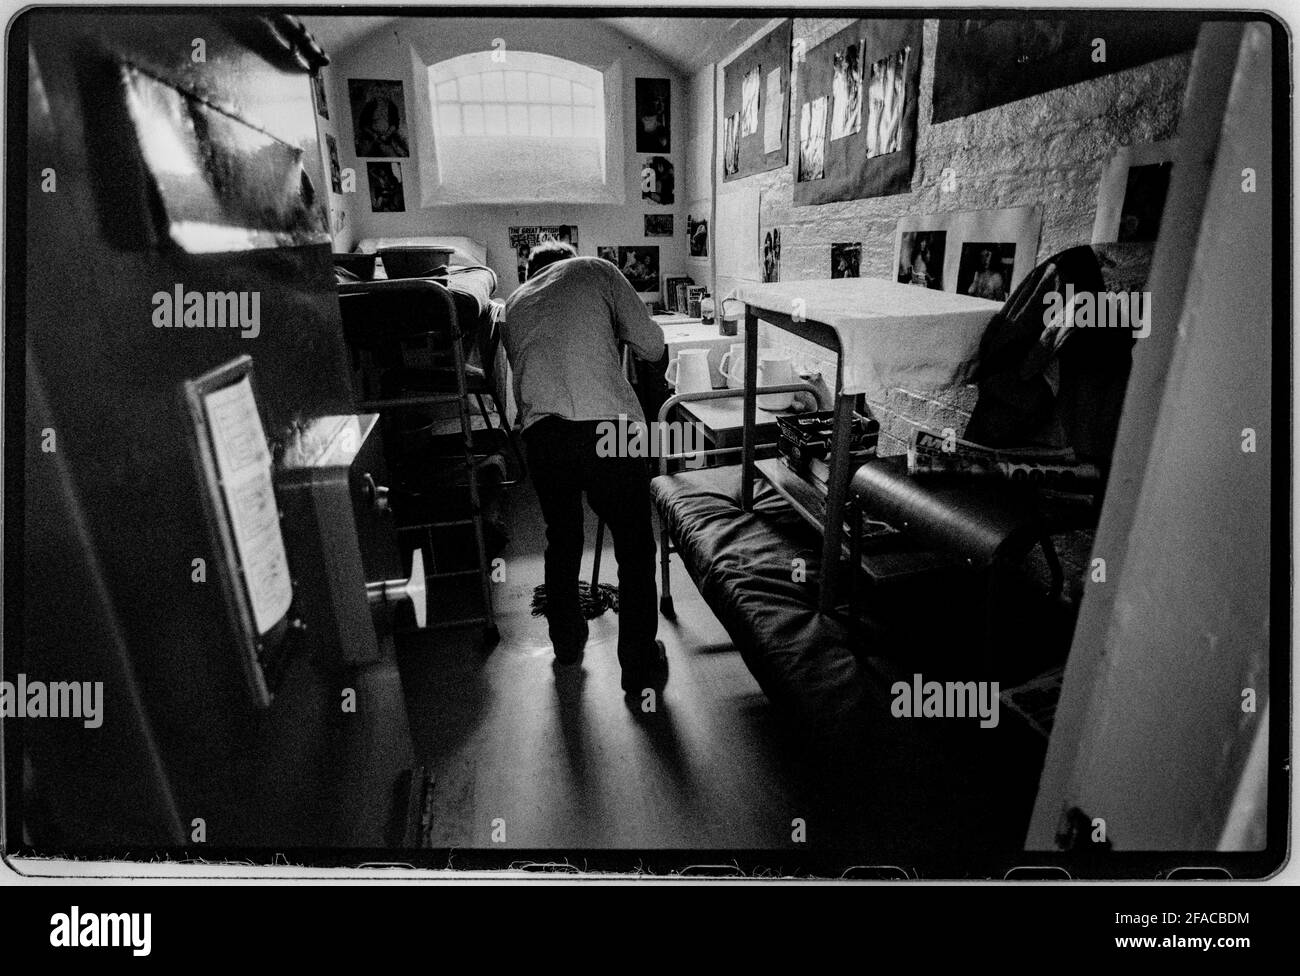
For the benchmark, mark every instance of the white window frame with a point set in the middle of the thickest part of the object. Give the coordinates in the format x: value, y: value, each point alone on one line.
x: 606, y: 105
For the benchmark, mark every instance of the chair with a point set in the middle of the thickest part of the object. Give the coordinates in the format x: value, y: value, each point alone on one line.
x: 381, y: 320
x: 1039, y: 386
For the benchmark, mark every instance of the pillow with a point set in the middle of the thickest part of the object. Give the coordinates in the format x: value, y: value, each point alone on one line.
x: 464, y: 250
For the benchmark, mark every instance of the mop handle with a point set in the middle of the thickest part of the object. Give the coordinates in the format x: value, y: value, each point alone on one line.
x: 600, y: 523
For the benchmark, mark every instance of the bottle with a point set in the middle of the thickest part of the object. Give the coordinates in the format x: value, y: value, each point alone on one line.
x: 706, y: 309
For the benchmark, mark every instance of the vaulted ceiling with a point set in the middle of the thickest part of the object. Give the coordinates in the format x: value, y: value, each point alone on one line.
x: 686, y: 43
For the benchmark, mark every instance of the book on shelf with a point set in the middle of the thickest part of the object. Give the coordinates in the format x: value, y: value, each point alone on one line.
x: 671, y: 285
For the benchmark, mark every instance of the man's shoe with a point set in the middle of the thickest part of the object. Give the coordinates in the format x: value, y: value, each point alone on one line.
x: 650, y: 674
x: 568, y: 649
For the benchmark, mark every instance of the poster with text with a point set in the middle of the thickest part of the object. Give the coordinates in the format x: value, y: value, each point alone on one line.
x: 524, y: 239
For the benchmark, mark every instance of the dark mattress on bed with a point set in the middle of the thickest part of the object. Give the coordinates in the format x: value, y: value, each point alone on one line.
x: 926, y: 783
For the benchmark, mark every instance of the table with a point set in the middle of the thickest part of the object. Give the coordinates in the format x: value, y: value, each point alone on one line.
x: 724, y: 421
x: 883, y: 334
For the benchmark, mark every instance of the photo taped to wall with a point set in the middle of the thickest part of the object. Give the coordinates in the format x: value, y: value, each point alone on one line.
x: 658, y: 225
x: 731, y: 144
x: 772, y: 255
x: 640, y: 266
x: 653, y: 115
x: 887, y: 97
x: 986, y: 269
x: 697, y: 232
x: 1144, y: 202
x: 378, y: 117
x: 657, y: 181
x: 386, y: 195
x: 318, y: 86
x: 846, y: 92
x: 845, y: 260
x: 749, y: 102
x: 336, y: 174
x: 812, y: 140
x: 920, y: 259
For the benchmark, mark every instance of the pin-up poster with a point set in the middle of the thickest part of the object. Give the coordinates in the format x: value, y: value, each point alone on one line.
x: 756, y: 106
x: 856, y: 107
x: 378, y: 117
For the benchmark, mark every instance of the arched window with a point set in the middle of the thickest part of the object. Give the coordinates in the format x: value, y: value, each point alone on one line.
x: 515, y: 126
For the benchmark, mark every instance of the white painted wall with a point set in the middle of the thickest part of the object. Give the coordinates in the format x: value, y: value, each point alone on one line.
x: 341, y: 205
x: 387, y: 54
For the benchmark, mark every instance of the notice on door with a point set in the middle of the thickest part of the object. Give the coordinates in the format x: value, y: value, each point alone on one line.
x: 244, y: 468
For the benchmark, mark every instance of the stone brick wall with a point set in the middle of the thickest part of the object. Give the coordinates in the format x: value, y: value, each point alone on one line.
x: 1048, y: 150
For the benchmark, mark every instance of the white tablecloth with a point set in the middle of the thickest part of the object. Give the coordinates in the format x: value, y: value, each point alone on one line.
x: 891, y: 334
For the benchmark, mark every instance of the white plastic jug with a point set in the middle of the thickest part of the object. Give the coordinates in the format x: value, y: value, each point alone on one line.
x: 688, y: 372
x: 775, y: 369
x: 732, y: 366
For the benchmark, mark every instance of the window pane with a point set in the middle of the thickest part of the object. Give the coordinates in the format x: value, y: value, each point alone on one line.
x: 494, y: 87
x: 539, y: 120
x: 528, y: 130
x: 584, y: 122
x: 471, y: 88
x: 561, y: 120
x: 473, y: 120
x: 494, y: 116
x: 449, y: 119
x: 517, y: 120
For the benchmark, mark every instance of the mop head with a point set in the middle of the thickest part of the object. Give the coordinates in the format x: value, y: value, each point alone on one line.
x: 593, y: 600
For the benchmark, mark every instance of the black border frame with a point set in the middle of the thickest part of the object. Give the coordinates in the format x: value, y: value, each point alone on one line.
x: 982, y: 864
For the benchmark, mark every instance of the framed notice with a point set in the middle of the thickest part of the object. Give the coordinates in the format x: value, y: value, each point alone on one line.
x: 234, y: 464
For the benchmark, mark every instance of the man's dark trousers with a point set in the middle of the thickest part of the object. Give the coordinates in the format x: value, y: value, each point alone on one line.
x: 564, y: 465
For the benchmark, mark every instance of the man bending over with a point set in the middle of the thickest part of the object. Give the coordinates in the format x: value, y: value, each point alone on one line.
x: 562, y: 332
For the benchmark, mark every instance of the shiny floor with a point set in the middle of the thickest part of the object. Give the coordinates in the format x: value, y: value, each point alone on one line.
x: 529, y: 756
x: 526, y: 754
